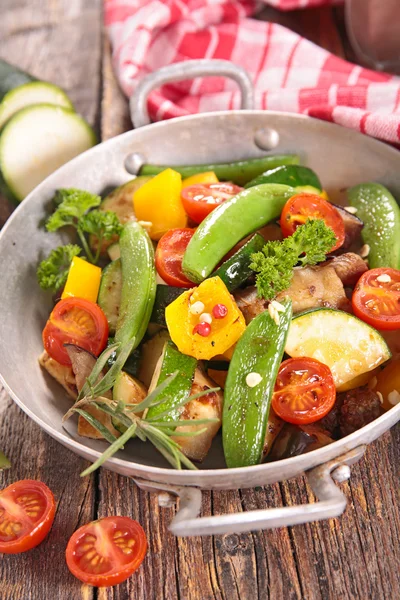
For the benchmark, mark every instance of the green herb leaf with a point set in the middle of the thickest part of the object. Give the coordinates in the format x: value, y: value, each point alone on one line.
x: 102, y: 224
x: 108, y: 453
x: 102, y: 429
x: 72, y: 205
x: 274, y: 265
x: 89, y: 387
x: 52, y: 272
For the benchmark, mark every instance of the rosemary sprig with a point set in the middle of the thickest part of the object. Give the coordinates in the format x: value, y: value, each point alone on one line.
x: 160, y: 434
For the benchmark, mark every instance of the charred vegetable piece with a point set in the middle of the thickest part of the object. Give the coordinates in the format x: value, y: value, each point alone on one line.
x: 172, y: 360
x: 151, y: 350
x: 207, y: 407
x: 352, y: 226
x: 293, y: 441
x: 381, y: 216
x: 229, y: 223
x: 249, y: 387
x: 236, y: 269
x: 138, y: 284
x: 293, y: 175
x: 358, y: 408
x: 238, y: 172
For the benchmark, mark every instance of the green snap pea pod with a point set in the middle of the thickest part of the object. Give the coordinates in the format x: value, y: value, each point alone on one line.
x: 380, y: 213
x: 239, y: 172
x: 246, y: 409
x: 294, y: 175
x: 179, y: 388
x: 229, y: 223
x: 236, y: 269
x: 138, y: 284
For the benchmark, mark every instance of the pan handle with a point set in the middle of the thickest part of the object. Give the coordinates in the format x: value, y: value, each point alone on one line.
x: 187, y: 70
x: 332, y: 503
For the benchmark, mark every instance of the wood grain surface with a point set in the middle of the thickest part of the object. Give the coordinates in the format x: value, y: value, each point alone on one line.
x: 354, y: 557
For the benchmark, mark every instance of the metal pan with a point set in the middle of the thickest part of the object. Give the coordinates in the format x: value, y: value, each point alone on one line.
x: 340, y: 157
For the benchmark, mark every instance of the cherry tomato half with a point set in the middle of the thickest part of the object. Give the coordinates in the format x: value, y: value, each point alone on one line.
x: 304, y: 391
x: 27, y: 510
x: 309, y: 206
x: 376, y: 298
x: 107, y: 551
x: 201, y: 199
x: 75, y: 321
x: 169, y: 256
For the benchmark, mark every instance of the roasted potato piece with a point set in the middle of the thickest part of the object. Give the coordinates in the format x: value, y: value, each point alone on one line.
x: 61, y: 373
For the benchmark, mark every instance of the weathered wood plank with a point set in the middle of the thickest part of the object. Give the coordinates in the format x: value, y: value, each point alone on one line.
x: 42, y: 572
x: 60, y: 42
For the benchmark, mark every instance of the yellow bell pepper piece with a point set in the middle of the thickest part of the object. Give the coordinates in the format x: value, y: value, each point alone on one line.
x: 83, y: 280
x: 159, y: 202
x: 207, y: 177
x: 224, y: 332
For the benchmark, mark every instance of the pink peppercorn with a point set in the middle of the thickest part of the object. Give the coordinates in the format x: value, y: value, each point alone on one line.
x: 203, y: 329
x: 219, y: 311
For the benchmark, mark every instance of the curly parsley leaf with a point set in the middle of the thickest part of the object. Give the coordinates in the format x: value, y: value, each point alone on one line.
x: 52, y: 272
x: 274, y: 265
x: 72, y: 204
x: 102, y: 224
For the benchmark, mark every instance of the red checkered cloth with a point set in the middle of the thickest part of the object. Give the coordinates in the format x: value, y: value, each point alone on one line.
x: 289, y: 72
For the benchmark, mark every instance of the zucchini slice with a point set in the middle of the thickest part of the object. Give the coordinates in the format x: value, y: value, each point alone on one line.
x: 34, y: 92
x: 109, y: 298
x: 165, y: 294
x: 347, y: 345
x: 35, y: 142
x: 128, y: 390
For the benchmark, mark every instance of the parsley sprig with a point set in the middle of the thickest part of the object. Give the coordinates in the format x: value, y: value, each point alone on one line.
x: 274, y: 265
x: 75, y: 209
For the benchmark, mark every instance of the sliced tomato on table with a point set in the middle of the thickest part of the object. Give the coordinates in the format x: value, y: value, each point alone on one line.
x: 304, y: 391
x: 201, y: 199
x: 169, y: 256
x: 27, y: 510
x: 305, y: 206
x: 75, y: 321
x: 107, y: 551
x: 376, y: 298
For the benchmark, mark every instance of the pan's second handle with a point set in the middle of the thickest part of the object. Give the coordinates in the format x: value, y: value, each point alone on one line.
x: 332, y: 503
x: 187, y: 70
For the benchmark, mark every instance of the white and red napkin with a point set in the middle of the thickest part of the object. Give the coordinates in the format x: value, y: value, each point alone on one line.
x: 289, y: 72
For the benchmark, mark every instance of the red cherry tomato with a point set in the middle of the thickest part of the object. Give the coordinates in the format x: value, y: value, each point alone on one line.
x: 107, y: 551
x: 75, y: 321
x: 376, y: 298
x: 169, y: 256
x: 309, y: 206
x: 304, y: 391
x: 27, y: 510
x: 201, y: 199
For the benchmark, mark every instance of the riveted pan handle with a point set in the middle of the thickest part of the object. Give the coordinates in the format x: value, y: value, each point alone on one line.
x: 187, y: 70
x: 332, y: 503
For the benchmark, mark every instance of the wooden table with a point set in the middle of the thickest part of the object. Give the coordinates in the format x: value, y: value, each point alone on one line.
x: 356, y: 556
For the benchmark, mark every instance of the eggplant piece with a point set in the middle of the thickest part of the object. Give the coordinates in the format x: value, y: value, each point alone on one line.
x: 274, y: 427
x: 348, y: 267
x: 82, y: 365
x: 61, y: 373
x: 294, y: 440
x: 352, y: 226
x: 358, y: 408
